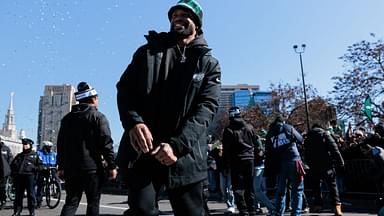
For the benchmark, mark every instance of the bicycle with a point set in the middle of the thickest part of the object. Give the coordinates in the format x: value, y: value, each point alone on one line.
x: 52, y: 189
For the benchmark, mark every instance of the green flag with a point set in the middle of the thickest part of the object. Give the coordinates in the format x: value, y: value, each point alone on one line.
x: 368, y: 108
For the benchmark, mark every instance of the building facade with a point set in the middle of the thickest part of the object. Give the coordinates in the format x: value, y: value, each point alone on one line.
x: 228, y: 94
x: 8, y: 133
x: 53, y: 106
x: 244, y: 98
x: 243, y: 95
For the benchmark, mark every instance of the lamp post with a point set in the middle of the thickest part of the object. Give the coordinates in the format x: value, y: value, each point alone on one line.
x: 300, y: 51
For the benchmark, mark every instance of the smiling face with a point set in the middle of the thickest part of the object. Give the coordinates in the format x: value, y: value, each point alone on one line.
x: 182, y: 23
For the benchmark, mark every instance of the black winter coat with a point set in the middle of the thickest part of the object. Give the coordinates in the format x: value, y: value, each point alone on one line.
x: 84, y: 137
x: 177, y: 101
x: 5, y: 160
x: 321, y: 151
x: 26, y: 163
x: 239, y: 141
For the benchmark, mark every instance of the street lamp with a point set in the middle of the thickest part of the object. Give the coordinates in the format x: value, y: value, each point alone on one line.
x: 295, y: 47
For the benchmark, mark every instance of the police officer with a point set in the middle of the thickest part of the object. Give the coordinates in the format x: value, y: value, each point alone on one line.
x: 24, y: 170
x: 48, y: 159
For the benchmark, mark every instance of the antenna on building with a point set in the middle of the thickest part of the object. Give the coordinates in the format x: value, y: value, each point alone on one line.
x: 11, y: 101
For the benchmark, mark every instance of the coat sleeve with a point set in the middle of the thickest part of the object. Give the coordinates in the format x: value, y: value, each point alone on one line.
x: 227, y: 140
x: 106, y: 142
x: 270, y: 164
x: 15, y: 164
x: 297, y: 136
x: 201, y: 115
x: 60, y: 147
x: 127, y: 100
x: 10, y: 155
x: 334, y: 150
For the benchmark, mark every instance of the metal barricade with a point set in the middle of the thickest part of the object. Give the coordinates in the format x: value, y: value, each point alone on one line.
x: 358, y: 176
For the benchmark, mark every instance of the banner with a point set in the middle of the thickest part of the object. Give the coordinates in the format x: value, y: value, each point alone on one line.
x: 368, y: 108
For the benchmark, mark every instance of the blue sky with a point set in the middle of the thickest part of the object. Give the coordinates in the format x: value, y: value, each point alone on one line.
x: 56, y: 42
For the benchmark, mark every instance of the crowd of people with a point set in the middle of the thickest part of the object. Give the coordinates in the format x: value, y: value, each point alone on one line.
x: 289, y: 157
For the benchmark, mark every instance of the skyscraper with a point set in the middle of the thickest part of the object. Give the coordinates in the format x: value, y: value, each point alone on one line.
x: 55, y: 103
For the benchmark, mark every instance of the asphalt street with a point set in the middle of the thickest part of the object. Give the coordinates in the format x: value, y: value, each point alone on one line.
x: 116, y: 204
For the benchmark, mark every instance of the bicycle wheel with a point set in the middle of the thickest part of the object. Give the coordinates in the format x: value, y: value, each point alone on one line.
x: 10, y: 189
x: 53, y: 194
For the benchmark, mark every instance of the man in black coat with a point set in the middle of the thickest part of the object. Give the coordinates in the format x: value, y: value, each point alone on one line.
x: 5, y: 170
x: 83, y: 143
x: 323, y: 156
x: 239, y: 140
x: 167, y: 97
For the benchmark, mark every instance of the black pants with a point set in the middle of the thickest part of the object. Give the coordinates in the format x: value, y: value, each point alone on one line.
x: 22, y: 183
x: 40, y: 185
x: 143, y: 190
x: 3, y: 196
x: 74, y: 187
x: 242, y: 184
x: 329, y: 177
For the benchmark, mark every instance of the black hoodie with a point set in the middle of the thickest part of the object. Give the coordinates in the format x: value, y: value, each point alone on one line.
x: 239, y: 140
x: 83, y: 138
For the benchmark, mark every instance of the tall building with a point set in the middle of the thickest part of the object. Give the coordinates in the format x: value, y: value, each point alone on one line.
x: 245, y: 98
x: 9, y: 125
x: 227, y: 96
x: 56, y: 102
x: 244, y: 95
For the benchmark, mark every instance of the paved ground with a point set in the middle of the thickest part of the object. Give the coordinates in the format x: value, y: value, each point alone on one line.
x: 116, y: 204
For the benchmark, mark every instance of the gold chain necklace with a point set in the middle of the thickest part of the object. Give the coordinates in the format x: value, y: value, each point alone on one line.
x: 183, y: 57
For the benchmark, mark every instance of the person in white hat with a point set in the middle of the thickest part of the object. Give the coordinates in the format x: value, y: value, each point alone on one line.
x: 48, y: 158
x: 83, y: 143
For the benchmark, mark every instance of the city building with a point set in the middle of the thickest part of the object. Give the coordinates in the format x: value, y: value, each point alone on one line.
x: 243, y: 95
x: 56, y: 102
x: 228, y: 97
x: 8, y: 132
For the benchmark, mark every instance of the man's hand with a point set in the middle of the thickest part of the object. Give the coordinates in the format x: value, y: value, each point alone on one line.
x: 141, y: 138
x: 60, y: 174
x: 112, y: 174
x: 164, y: 154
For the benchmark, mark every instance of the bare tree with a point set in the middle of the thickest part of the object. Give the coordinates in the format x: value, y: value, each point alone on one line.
x: 363, y: 76
x: 286, y: 99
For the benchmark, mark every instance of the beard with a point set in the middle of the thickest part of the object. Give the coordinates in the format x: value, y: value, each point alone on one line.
x: 181, y: 31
